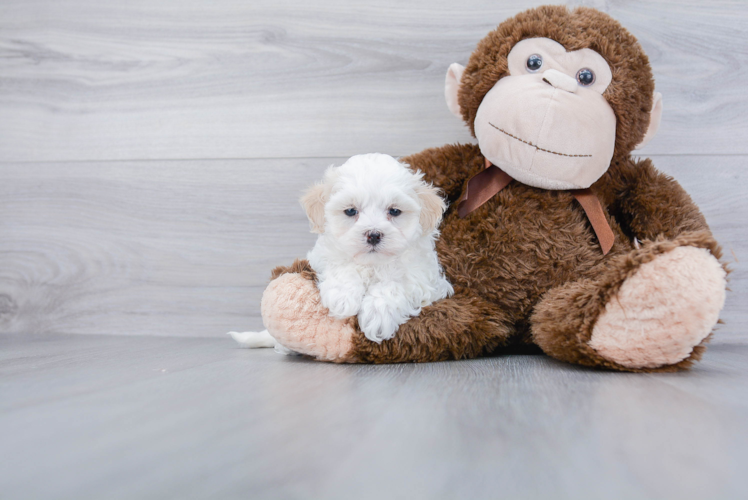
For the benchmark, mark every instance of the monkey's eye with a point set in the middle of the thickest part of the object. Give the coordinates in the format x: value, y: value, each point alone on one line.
x: 350, y: 212
x: 395, y: 212
x: 585, y: 77
x: 534, y: 62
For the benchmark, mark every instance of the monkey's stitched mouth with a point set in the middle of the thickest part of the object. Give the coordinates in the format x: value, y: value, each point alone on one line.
x: 536, y: 146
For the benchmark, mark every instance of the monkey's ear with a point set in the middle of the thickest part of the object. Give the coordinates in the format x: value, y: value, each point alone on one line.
x: 314, y: 199
x: 432, y: 206
x: 452, y: 86
x: 654, y: 120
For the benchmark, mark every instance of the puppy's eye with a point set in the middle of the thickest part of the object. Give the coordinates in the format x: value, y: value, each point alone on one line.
x: 395, y: 212
x: 350, y: 212
x: 534, y: 62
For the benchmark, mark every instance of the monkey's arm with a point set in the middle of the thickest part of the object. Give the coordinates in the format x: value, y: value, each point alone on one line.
x: 651, y: 204
x: 448, y: 167
x: 461, y: 326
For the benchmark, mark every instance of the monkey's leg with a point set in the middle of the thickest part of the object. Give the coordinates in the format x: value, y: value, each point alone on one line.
x: 462, y: 326
x: 650, y: 310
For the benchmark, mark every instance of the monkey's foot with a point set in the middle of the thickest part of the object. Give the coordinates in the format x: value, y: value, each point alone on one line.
x: 663, y: 311
x: 294, y: 316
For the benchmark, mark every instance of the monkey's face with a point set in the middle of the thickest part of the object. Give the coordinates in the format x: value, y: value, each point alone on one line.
x: 551, y: 117
x: 546, y: 123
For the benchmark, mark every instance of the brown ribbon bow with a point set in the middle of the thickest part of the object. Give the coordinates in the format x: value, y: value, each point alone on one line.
x: 484, y: 185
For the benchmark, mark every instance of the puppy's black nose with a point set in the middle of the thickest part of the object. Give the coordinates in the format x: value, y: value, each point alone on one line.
x: 373, y: 238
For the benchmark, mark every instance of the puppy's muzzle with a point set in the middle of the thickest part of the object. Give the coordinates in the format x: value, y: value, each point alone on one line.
x: 373, y: 238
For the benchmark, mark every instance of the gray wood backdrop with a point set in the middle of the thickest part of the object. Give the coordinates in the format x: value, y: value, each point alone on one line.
x: 152, y: 151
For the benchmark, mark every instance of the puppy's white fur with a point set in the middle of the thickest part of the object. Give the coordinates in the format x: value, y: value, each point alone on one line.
x: 253, y: 340
x: 387, y: 282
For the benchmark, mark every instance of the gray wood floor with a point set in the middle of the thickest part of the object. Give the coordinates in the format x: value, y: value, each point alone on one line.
x: 151, y: 155
x: 112, y: 417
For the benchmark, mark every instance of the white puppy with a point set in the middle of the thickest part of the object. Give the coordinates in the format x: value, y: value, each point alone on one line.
x: 375, y: 255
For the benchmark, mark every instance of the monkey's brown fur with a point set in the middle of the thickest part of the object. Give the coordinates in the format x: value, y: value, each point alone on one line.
x: 526, y: 266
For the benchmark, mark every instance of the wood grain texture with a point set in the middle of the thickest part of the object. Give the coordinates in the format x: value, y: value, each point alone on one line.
x: 173, y: 79
x: 185, y: 248
x: 164, y: 248
x: 138, y: 417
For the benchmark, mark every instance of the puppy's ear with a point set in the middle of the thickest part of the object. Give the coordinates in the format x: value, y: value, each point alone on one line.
x: 432, y: 206
x: 313, y: 202
x: 314, y: 199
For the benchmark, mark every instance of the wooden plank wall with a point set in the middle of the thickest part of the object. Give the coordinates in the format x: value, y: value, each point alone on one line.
x: 151, y: 152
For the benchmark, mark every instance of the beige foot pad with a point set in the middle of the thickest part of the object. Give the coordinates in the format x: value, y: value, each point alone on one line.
x: 669, y: 306
x: 294, y: 316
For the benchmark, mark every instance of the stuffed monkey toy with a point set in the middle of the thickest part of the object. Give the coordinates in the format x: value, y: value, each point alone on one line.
x: 555, y: 235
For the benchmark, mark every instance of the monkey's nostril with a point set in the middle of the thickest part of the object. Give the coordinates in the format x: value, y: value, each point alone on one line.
x: 373, y: 238
x: 546, y: 81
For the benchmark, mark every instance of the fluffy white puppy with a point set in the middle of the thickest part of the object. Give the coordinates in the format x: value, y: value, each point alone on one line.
x: 375, y: 254
x: 374, y: 257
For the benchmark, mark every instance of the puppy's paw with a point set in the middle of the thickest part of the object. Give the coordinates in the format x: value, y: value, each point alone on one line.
x: 340, y: 300
x: 281, y: 349
x: 378, y: 320
x: 253, y: 339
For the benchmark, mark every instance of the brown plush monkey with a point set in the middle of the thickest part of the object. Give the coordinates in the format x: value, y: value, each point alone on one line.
x: 563, y: 240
